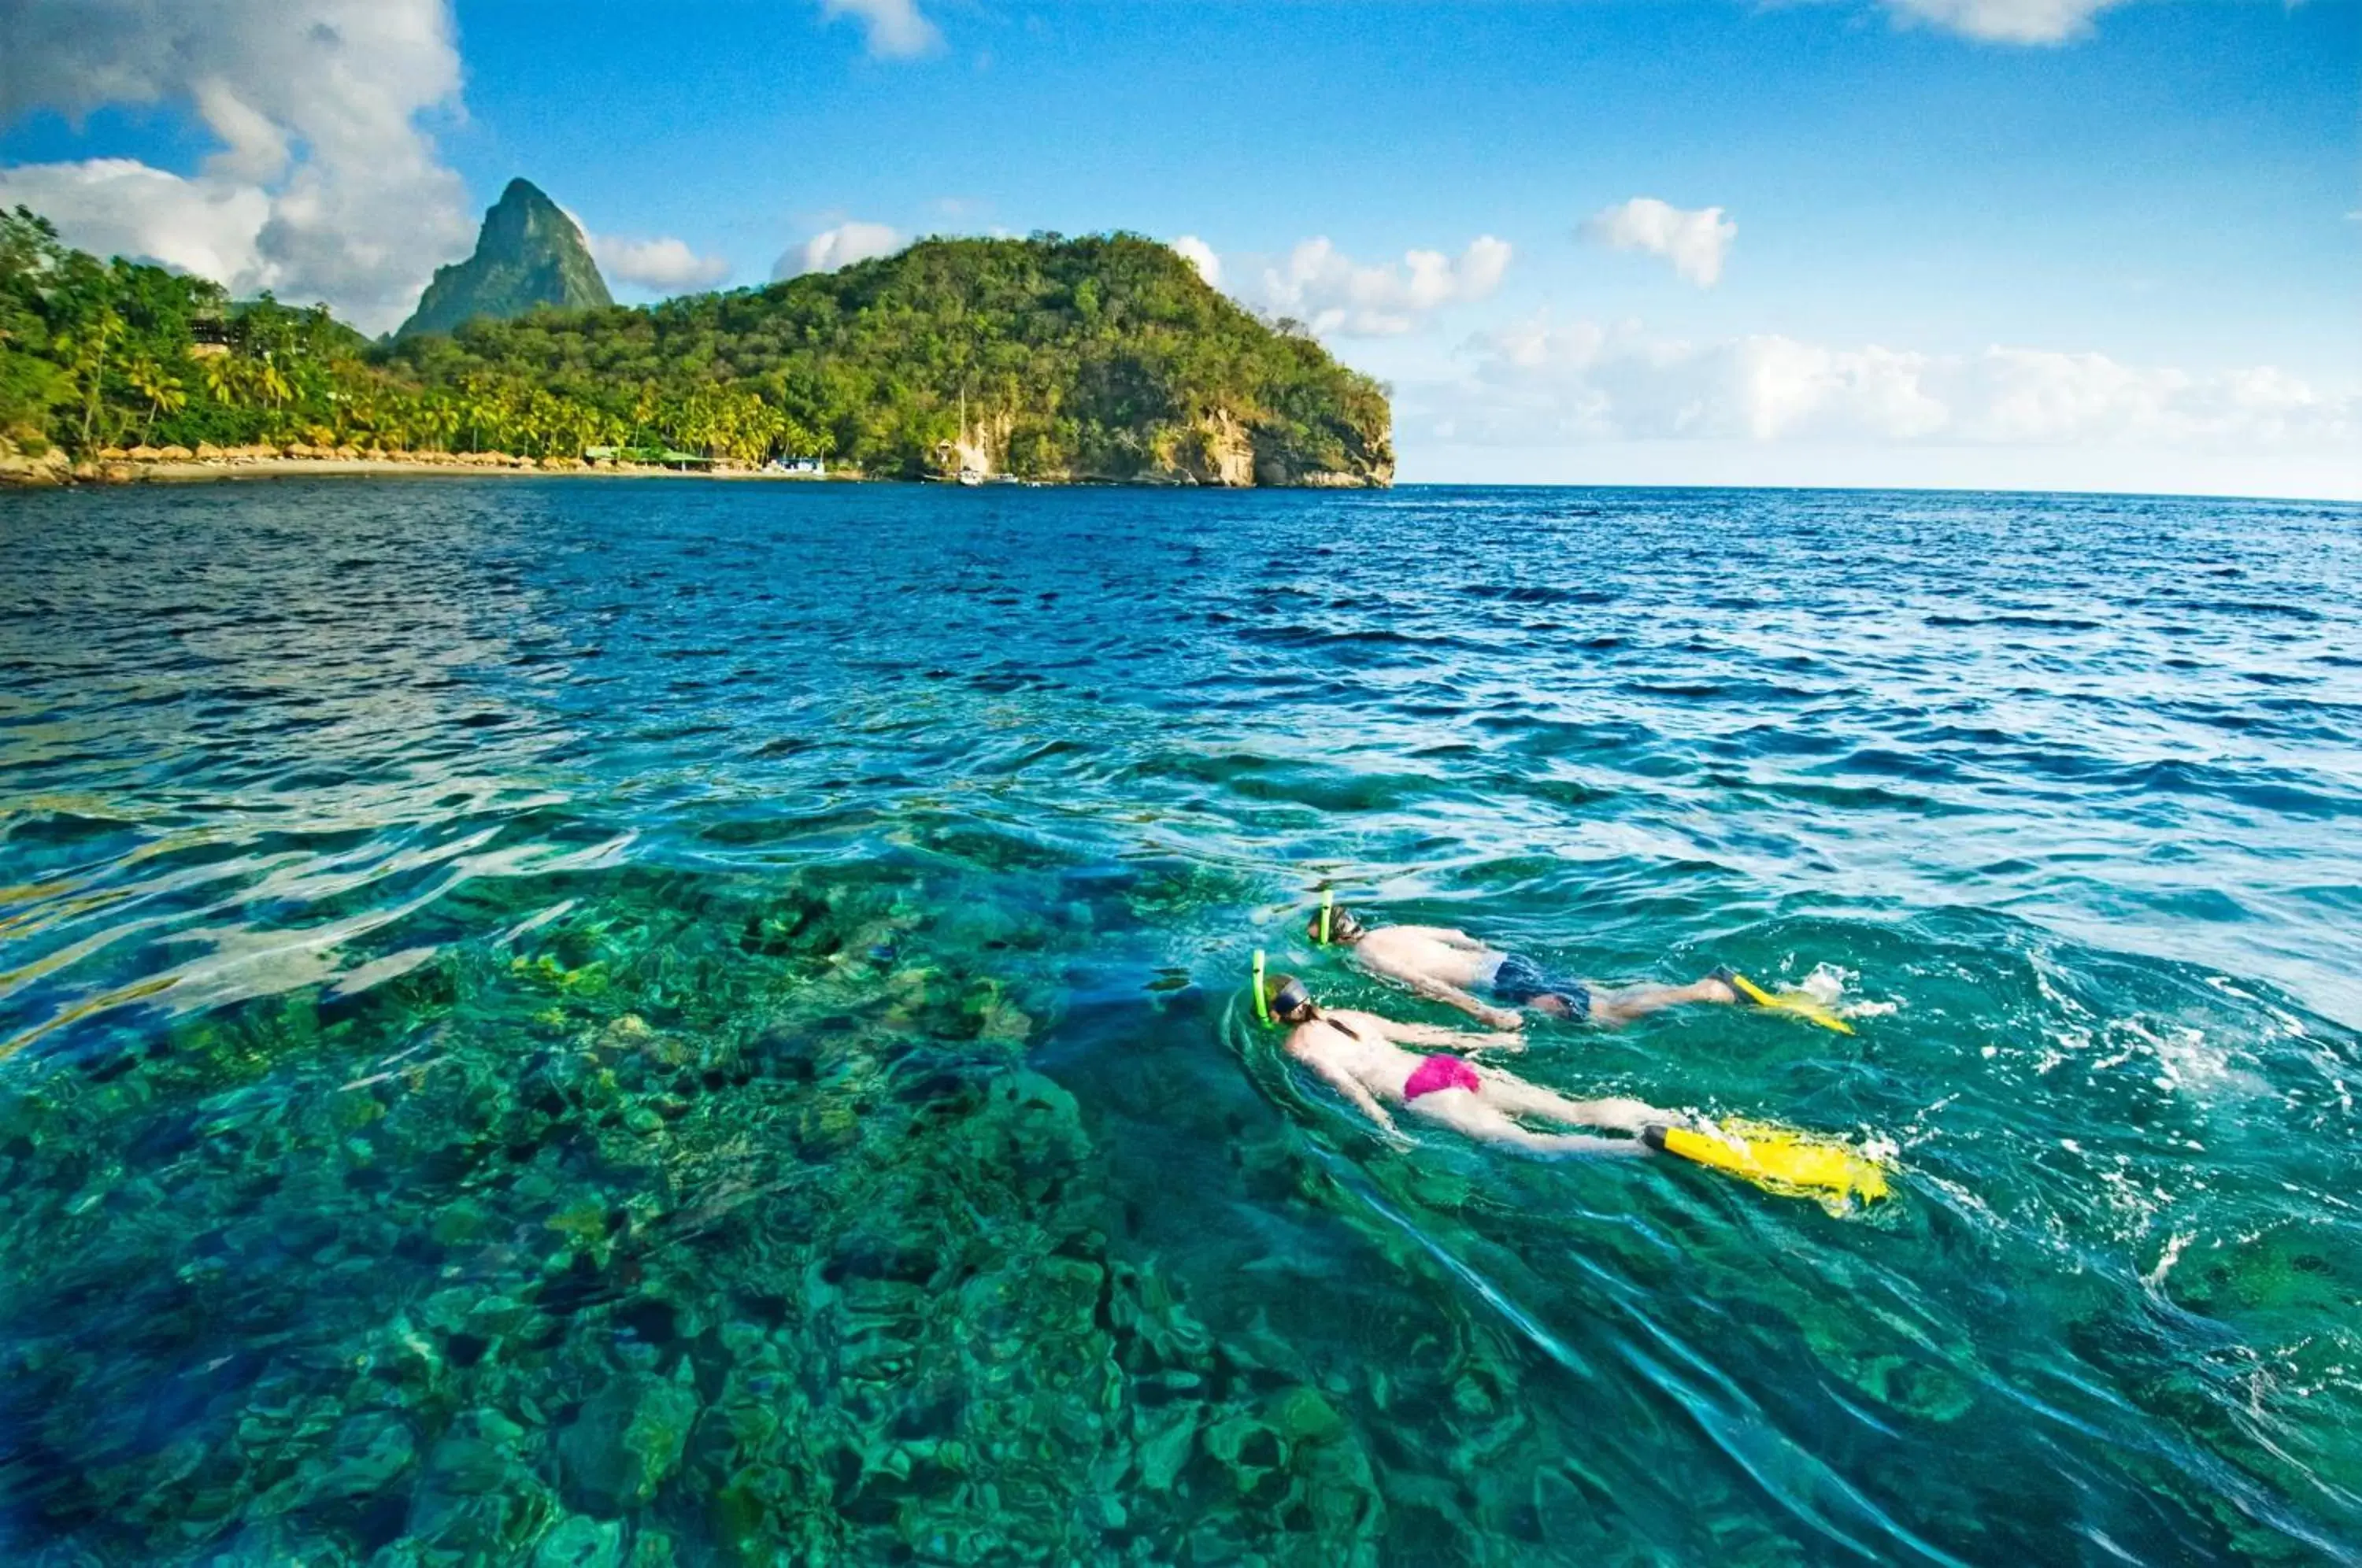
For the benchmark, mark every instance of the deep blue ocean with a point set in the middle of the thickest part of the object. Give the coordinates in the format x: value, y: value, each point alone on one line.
x: 650, y: 1023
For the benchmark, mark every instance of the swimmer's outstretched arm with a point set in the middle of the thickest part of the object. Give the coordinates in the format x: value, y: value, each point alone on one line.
x: 1453, y: 1039
x: 1352, y: 1089
x: 1452, y: 995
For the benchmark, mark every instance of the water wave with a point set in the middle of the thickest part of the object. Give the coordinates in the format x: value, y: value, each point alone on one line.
x: 613, y: 1022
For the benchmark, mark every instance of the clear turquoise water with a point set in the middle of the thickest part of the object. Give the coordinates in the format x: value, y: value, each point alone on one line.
x: 586, y: 1022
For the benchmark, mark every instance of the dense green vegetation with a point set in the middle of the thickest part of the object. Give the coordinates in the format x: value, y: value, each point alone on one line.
x: 1100, y: 356
x: 99, y: 354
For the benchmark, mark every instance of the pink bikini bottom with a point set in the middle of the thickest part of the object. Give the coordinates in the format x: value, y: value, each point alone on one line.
x: 1439, y: 1073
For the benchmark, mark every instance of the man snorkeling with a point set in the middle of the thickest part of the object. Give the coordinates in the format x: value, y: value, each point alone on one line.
x: 1362, y: 1055
x: 1450, y: 967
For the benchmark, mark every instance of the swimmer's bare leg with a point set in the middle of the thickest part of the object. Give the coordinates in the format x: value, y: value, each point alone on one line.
x: 1516, y: 1097
x: 1464, y: 1112
x: 1640, y: 1001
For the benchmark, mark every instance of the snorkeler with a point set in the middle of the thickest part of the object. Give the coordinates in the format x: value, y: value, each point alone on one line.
x: 1450, y: 965
x: 1362, y: 1055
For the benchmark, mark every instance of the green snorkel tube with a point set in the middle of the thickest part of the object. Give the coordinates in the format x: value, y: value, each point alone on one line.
x: 1263, y: 1008
x: 1328, y: 909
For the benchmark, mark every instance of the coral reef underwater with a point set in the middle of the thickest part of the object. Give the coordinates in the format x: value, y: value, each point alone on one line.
x: 683, y: 1228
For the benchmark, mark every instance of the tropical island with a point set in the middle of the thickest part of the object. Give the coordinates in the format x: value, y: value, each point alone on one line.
x: 1096, y: 358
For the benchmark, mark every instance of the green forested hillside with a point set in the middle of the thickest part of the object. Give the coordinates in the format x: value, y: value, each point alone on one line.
x: 97, y: 354
x: 1101, y: 357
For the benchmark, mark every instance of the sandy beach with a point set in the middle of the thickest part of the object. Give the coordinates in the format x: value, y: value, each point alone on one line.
x: 202, y: 470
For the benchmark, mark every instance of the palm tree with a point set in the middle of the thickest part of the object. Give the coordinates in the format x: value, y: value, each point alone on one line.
x: 644, y: 410
x: 437, y: 423
x: 85, y: 348
x: 226, y: 377
x: 161, y: 389
x: 272, y: 384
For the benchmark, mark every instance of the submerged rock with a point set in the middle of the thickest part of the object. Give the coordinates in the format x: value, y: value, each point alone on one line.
x: 785, y: 1250
x: 627, y: 1441
x: 576, y: 1542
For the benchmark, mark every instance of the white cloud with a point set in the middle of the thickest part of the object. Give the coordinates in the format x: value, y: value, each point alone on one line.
x: 898, y: 29
x: 1537, y: 383
x: 1332, y: 295
x: 1200, y: 255
x: 848, y: 242
x: 660, y: 264
x: 2007, y: 21
x: 1695, y: 242
x: 316, y: 104
x: 119, y: 206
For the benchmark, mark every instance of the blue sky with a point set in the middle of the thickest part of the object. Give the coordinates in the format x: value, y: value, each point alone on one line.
x: 1955, y: 241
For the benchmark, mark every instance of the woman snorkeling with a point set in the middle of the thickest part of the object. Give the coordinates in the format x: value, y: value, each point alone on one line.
x: 1362, y: 1055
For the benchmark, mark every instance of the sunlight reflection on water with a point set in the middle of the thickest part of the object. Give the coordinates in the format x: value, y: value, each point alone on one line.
x: 647, y: 1023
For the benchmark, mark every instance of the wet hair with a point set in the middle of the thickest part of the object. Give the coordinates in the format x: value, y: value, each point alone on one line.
x: 1343, y: 925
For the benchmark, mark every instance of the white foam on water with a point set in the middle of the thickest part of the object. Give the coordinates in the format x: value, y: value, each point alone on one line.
x: 2196, y: 1063
x: 1826, y: 985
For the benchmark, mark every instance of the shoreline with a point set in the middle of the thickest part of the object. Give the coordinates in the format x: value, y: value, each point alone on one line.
x: 368, y: 468
x: 211, y: 470
x: 54, y: 472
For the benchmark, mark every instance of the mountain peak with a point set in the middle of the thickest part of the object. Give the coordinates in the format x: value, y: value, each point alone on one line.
x: 528, y: 254
x: 523, y: 200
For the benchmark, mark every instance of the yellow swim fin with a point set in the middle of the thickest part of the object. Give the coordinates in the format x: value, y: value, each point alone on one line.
x: 1805, y: 1008
x: 1781, y: 1160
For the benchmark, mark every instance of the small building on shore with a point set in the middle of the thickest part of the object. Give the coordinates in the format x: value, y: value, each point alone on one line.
x: 649, y: 456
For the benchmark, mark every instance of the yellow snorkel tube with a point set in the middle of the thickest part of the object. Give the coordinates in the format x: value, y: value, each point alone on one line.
x: 1781, y: 1160
x: 1263, y: 1008
x: 1328, y: 912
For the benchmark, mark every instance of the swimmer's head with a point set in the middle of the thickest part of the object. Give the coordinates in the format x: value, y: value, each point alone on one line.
x: 1286, y: 999
x: 1341, y: 926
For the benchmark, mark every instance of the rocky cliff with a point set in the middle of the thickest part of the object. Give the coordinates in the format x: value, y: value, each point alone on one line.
x: 529, y: 254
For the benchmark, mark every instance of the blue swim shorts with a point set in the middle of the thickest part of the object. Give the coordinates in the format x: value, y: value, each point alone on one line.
x: 1520, y: 980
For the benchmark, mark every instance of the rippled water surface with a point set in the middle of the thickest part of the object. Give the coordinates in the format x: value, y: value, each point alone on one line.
x: 616, y: 1022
